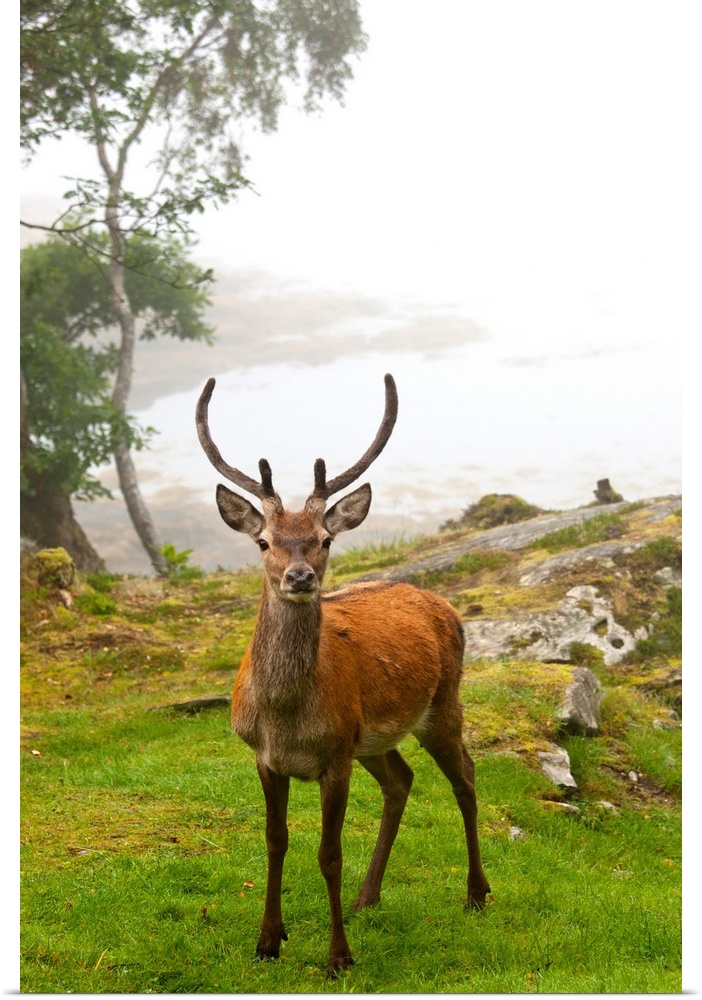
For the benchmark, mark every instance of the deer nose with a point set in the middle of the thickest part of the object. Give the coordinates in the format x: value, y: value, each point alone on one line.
x: 300, y: 578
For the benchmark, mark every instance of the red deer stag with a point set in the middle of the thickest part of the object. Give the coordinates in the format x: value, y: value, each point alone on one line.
x: 329, y: 679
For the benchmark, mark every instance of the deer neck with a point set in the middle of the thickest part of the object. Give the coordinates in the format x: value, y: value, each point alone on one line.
x: 284, y: 649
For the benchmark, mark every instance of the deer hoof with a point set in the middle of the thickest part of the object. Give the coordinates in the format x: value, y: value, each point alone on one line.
x: 268, y: 946
x: 339, y: 964
x: 362, y: 902
x: 477, y: 898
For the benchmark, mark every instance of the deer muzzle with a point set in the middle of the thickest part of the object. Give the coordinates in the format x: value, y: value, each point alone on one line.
x: 299, y: 583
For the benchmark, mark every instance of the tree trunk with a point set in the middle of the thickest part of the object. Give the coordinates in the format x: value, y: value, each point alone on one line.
x: 46, y: 512
x: 139, y: 515
x: 136, y: 508
x: 47, y: 518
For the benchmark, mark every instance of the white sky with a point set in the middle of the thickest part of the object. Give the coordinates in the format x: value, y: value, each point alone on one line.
x: 530, y: 157
x: 529, y: 167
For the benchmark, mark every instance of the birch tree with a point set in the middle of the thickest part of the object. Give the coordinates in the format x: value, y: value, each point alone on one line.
x: 185, y: 78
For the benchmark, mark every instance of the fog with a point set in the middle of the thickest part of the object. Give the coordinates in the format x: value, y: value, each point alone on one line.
x: 502, y: 214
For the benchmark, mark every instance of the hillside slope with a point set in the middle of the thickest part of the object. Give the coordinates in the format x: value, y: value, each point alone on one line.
x: 179, y: 640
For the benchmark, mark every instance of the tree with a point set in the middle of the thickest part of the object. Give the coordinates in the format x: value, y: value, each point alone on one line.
x: 185, y: 75
x: 69, y: 357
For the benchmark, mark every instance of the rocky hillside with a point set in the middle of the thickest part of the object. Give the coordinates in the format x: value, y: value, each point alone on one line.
x: 572, y: 624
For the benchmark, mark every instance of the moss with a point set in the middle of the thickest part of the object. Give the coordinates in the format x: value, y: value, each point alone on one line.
x: 499, y: 598
x: 170, y: 608
x: 584, y: 655
x: 55, y: 568
x: 510, y: 705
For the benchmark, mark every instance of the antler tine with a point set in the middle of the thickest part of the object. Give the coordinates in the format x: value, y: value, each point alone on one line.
x: 322, y: 488
x: 263, y: 490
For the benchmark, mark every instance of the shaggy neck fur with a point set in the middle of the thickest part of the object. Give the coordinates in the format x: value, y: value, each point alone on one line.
x: 284, y: 649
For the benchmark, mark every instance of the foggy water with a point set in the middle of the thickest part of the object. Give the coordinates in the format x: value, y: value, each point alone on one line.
x: 470, y: 422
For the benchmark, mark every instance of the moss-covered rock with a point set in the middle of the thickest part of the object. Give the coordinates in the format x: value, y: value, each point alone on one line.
x: 498, y: 508
x: 55, y: 568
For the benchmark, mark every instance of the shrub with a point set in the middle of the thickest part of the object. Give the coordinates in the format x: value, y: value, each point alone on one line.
x: 494, y: 509
x: 102, y: 582
x: 178, y: 569
x: 661, y: 552
x: 94, y: 603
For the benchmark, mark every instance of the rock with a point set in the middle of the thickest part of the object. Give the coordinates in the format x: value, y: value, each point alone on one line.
x: 566, y: 807
x: 605, y: 494
x: 603, y: 804
x: 55, y: 568
x: 555, y: 763
x: 669, y: 576
x: 515, y: 832
x: 579, y: 712
x: 66, y: 598
x: 546, y: 636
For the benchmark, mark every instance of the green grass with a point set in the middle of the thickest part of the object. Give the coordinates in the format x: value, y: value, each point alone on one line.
x: 144, y: 866
x: 577, y: 536
x: 357, y: 560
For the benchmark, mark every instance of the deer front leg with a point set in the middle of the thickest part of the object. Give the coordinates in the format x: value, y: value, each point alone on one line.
x: 275, y: 790
x: 334, y: 794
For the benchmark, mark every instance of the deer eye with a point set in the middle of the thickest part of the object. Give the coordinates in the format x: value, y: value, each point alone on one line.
x: 262, y: 544
x: 326, y: 544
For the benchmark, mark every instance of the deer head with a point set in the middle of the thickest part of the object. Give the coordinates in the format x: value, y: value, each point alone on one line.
x: 295, y: 544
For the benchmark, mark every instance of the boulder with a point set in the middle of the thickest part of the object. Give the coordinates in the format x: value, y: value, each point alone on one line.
x: 579, y: 712
x: 547, y: 636
x: 555, y: 763
x: 55, y: 568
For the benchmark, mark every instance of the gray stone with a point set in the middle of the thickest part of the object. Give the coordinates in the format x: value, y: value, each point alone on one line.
x: 546, y: 636
x: 555, y: 763
x: 669, y: 576
x: 566, y: 807
x: 579, y: 712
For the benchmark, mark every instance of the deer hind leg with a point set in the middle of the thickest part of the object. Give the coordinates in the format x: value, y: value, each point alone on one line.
x: 394, y: 776
x: 275, y: 790
x: 442, y: 738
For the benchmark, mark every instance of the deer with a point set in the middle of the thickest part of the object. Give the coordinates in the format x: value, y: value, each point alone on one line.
x: 332, y: 678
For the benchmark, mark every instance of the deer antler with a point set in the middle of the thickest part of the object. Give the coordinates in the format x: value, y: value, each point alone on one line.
x: 263, y: 490
x: 323, y: 489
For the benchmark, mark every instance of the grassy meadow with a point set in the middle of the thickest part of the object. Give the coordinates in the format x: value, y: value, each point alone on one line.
x: 142, y: 827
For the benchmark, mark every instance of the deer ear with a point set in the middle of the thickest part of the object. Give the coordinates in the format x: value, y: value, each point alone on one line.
x: 238, y: 513
x: 348, y: 512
